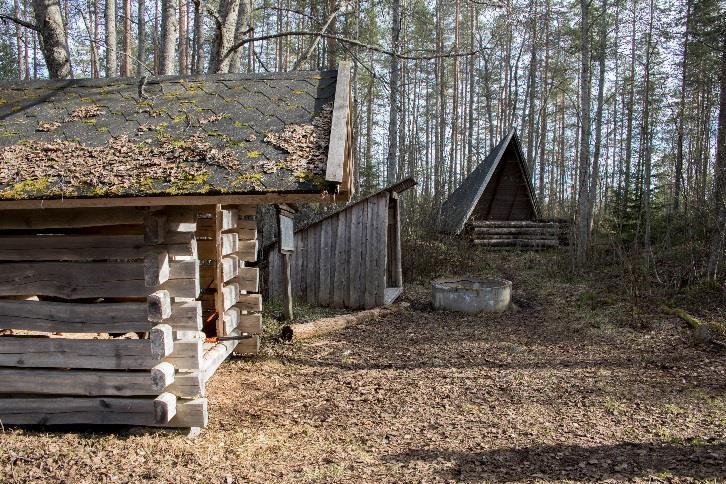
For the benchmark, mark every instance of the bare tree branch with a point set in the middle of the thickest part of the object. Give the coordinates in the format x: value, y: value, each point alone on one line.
x: 20, y: 22
x: 374, y: 48
x: 317, y: 38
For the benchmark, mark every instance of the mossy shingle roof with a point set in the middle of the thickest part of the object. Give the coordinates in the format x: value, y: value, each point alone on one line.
x: 215, y: 134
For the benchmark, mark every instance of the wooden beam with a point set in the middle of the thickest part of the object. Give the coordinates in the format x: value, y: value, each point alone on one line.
x: 198, y: 200
x: 98, y: 411
x: 339, y: 125
x: 111, y: 354
x: 87, y: 383
x: 69, y: 317
x: 63, y: 218
x: 72, y: 280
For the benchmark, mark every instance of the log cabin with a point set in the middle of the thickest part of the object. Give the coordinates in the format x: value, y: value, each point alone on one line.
x: 128, y: 238
x: 496, y: 204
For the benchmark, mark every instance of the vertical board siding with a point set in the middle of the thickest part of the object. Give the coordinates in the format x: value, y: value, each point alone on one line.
x: 341, y: 261
x: 324, y: 274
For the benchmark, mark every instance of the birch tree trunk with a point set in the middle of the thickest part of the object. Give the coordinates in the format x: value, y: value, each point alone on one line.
x: 53, y: 43
x: 678, y: 176
x: 168, y: 37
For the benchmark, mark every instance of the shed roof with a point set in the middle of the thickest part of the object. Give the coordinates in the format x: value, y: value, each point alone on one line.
x: 173, y: 136
x: 457, y: 209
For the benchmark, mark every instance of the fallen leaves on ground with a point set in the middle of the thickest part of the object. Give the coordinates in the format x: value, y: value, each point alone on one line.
x: 554, y: 391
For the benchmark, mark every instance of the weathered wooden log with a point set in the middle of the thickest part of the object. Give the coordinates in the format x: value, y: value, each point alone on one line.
x: 516, y: 243
x: 99, y: 411
x: 515, y: 230
x: 515, y: 236
x: 208, y: 250
x: 111, y: 354
x: 512, y: 223
x: 72, y: 280
x: 69, y: 317
x: 89, y: 383
x: 249, y: 346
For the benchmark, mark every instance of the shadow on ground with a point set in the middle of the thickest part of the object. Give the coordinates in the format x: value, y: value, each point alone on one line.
x: 619, y: 462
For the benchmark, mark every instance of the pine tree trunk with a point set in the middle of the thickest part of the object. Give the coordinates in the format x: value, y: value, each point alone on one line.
x: 583, y: 230
x: 198, y: 41
x: 111, y: 62
x: 53, y: 38
x: 126, y: 40
x: 719, y: 195
x: 141, y: 51
x: 244, y: 26
x: 168, y: 37
x: 681, y: 114
x: 183, y: 44
x: 223, y: 37
x: 595, y: 174
x: 393, y: 87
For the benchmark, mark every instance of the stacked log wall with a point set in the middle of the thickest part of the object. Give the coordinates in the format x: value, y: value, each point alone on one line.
x: 516, y: 234
x: 71, y: 282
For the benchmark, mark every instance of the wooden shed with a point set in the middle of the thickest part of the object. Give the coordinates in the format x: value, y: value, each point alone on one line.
x: 128, y: 238
x: 348, y: 259
x: 496, y: 204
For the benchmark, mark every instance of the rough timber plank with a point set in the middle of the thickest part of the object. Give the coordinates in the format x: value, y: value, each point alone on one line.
x: 187, y: 384
x: 208, y: 251
x: 249, y: 302
x: 382, y: 252
x: 247, y: 210
x: 72, y: 280
x: 371, y: 254
x: 187, y: 354
x: 71, y: 247
x: 324, y: 274
x: 70, y: 218
x: 110, y: 354
x: 339, y: 125
x: 98, y: 411
x: 190, y: 413
x: 85, y: 382
x: 357, y: 212
x: 247, y: 250
x: 249, y: 279
x: 74, y: 317
x: 341, y: 283
x: 249, y: 346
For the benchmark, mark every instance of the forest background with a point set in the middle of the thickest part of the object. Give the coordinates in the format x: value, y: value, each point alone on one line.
x: 620, y: 104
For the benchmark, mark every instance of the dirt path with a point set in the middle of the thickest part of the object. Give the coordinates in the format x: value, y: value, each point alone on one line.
x: 551, y: 392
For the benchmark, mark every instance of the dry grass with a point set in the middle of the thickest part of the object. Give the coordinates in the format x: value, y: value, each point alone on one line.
x: 573, y: 386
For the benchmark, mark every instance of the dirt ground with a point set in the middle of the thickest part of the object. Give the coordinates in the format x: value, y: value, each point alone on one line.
x: 570, y: 386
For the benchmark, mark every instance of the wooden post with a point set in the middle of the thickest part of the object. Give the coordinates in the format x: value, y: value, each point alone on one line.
x: 287, y: 289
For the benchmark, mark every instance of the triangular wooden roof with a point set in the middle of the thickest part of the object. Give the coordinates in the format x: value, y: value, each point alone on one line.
x: 503, y: 178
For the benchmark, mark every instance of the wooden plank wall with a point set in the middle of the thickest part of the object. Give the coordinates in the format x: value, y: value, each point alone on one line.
x: 340, y: 261
x: 72, y: 274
